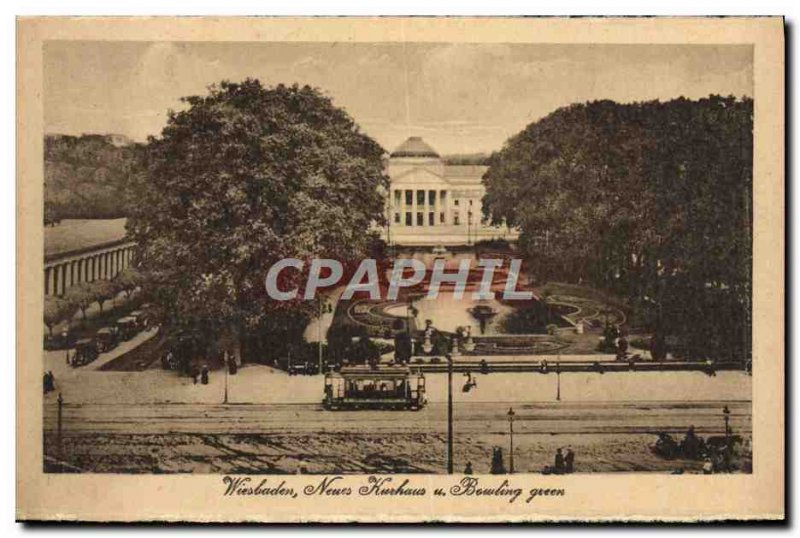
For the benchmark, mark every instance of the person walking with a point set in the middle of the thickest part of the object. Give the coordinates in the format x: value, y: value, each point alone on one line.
x: 468, y: 468
x: 559, y: 465
x: 569, y: 461
x: 204, y: 375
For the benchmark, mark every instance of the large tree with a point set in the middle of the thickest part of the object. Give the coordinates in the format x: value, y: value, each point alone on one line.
x: 243, y: 177
x: 651, y: 200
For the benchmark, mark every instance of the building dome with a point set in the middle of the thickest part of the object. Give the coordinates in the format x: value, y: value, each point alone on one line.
x: 414, y: 146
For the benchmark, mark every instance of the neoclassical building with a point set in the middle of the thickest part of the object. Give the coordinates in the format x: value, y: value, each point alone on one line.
x: 432, y: 203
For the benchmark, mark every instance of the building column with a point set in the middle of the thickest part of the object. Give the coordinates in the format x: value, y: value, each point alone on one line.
x: 46, y: 281
x: 413, y: 207
x: 426, y: 208
x: 56, y: 280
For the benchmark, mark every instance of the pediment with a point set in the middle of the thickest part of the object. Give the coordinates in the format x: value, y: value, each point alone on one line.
x: 419, y: 174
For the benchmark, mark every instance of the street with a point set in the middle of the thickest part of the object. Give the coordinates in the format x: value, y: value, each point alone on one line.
x: 276, y: 438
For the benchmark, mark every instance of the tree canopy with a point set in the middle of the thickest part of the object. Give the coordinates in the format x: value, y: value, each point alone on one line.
x: 243, y: 177
x: 85, y: 177
x: 652, y: 200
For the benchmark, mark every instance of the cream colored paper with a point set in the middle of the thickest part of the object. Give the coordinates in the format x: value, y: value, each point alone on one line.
x: 591, y: 497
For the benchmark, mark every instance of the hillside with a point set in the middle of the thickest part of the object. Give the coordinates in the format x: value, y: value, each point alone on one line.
x: 85, y: 176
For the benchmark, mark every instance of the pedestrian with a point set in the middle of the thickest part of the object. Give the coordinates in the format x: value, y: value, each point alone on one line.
x: 46, y: 383
x: 569, y: 461
x: 68, y: 357
x: 559, y: 466
x: 194, y: 373
x: 204, y: 375
x: 622, y: 348
x: 52, y: 380
x: 468, y: 468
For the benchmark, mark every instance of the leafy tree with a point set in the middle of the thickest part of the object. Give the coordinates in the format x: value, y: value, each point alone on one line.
x: 129, y: 280
x: 649, y: 200
x: 56, y: 310
x: 245, y: 176
x: 81, y: 295
x: 104, y: 290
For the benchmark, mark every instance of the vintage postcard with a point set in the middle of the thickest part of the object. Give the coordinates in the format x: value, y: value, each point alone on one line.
x: 400, y: 269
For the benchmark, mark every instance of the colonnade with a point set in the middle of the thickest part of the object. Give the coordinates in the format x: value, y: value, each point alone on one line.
x: 106, y: 263
x: 420, y: 207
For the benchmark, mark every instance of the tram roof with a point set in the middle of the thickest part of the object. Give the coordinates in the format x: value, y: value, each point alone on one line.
x: 381, y: 371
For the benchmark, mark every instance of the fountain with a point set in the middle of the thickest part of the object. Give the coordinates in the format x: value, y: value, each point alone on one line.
x: 483, y: 313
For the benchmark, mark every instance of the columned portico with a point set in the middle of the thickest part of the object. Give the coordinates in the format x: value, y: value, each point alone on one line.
x: 65, y: 270
x: 432, y: 203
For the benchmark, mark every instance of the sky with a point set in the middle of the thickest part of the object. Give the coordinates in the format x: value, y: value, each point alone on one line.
x: 461, y: 98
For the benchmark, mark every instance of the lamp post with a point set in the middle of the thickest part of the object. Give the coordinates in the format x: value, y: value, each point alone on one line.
x: 511, y: 440
x: 449, y: 413
x: 226, y: 367
x: 726, y: 414
x: 60, y: 406
x: 558, y: 381
x: 319, y: 333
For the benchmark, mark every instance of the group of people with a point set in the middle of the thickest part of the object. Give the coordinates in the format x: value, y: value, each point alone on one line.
x: 564, y: 462
x: 614, y: 340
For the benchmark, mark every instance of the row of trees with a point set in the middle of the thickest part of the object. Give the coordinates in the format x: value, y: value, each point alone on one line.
x: 650, y: 200
x: 243, y: 177
x: 81, y: 296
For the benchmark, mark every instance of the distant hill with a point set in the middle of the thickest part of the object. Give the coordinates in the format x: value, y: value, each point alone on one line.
x: 84, y: 176
x: 467, y: 158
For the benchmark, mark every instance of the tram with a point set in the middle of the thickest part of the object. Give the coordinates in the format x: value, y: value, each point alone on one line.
x: 382, y: 387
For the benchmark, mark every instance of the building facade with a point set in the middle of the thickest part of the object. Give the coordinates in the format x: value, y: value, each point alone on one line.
x: 432, y: 203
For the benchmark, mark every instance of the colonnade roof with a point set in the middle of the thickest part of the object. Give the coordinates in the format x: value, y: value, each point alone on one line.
x: 75, y: 235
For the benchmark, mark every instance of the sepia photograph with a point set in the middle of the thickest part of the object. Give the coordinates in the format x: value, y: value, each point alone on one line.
x: 334, y: 259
